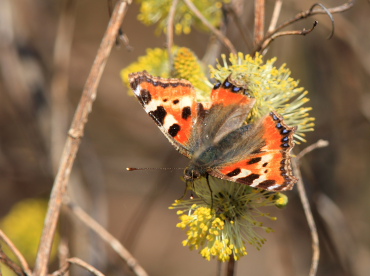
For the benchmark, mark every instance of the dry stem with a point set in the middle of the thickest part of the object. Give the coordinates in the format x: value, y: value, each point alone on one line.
x: 306, y: 205
x: 106, y: 236
x: 319, y: 144
x: 310, y: 220
x: 16, y: 252
x: 78, y: 262
x: 60, y: 80
x: 302, y: 15
x: 259, y: 21
x: 219, y: 34
x: 171, y: 17
x: 275, y: 15
x: 11, y: 264
x: 74, y: 137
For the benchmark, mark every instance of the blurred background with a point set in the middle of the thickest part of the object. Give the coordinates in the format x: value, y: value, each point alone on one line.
x: 46, y: 51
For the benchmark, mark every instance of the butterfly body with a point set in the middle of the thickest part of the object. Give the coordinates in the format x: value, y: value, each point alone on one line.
x: 214, y: 136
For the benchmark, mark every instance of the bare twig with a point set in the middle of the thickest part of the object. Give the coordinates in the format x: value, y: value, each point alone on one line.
x: 121, y: 36
x: 16, y: 252
x: 267, y: 42
x: 302, y: 15
x: 11, y: 264
x: 310, y: 220
x: 319, y: 144
x: 231, y: 9
x: 75, y: 135
x: 329, y: 14
x: 63, y: 253
x: 259, y: 21
x: 306, y: 206
x: 275, y: 15
x: 171, y: 17
x: 219, y: 34
x: 230, y: 267
x: 106, y: 236
x: 60, y: 80
x: 78, y: 262
x: 311, y: 11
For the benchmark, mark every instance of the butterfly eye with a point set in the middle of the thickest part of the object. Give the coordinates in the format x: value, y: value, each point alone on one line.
x: 217, y: 85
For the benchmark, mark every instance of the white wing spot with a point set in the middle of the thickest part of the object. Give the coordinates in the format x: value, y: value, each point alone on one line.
x: 273, y: 187
x: 137, y: 90
x: 257, y: 181
x: 169, y: 121
x: 243, y: 173
x: 153, y: 105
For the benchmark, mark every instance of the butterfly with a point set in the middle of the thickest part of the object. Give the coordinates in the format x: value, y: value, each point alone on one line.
x: 214, y: 135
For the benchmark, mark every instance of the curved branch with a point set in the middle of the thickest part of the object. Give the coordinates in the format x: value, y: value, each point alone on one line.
x: 74, y: 137
x: 302, y: 15
x: 297, y: 32
x: 310, y: 220
x: 219, y: 34
x: 329, y: 14
x: 107, y: 237
x: 16, y: 252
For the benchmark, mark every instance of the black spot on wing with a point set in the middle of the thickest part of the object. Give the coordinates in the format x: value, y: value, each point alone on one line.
x: 176, y: 101
x: 158, y: 115
x: 174, y: 129
x: 234, y: 172
x: 266, y: 184
x: 145, y: 96
x: 257, y: 151
x: 186, y: 112
x: 254, y: 160
x: 248, y: 179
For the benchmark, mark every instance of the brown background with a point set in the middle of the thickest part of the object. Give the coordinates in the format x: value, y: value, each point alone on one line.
x: 133, y: 206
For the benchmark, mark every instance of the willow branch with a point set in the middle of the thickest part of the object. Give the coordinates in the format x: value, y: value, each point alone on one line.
x: 239, y: 25
x: 306, y: 205
x: 16, y: 252
x: 218, y: 34
x: 11, y: 264
x: 319, y: 144
x: 259, y: 21
x: 78, y: 262
x: 275, y: 15
x: 268, y: 41
x: 302, y: 15
x: 310, y: 220
x: 75, y: 135
x: 107, y: 237
x: 60, y: 80
x: 171, y: 18
x: 230, y: 269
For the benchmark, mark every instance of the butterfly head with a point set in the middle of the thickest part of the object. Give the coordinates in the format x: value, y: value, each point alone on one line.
x: 193, y: 172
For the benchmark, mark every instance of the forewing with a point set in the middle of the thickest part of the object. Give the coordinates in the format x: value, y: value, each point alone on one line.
x: 226, y: 112
x: 171, y: 104
x: 266, y: 164
x: 230, y: 108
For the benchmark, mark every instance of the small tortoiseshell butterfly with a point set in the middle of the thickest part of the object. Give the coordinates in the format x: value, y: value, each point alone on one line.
x: 214, y: 136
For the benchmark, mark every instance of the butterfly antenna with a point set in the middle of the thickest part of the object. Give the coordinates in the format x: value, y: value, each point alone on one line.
x: 146, y: 169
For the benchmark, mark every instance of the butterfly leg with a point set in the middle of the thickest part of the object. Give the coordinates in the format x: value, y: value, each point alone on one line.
x: 188, y: 187
x: 210, y: 190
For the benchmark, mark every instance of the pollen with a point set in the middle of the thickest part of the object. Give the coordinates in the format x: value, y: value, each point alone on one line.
x: 224, y: 230
x: 273, y: 88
